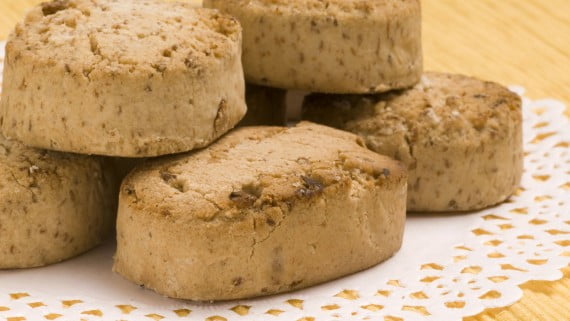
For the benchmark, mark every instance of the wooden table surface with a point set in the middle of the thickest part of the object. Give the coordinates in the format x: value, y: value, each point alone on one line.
x: 523, y: 42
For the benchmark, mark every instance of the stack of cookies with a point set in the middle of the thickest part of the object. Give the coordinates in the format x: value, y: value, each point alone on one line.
x: 257, y: 210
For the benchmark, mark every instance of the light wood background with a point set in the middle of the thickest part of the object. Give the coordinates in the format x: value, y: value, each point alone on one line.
x: 523, y: 42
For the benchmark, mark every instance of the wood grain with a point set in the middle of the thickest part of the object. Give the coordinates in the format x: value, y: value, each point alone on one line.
x: 509, y: 41
x: 524, y: 42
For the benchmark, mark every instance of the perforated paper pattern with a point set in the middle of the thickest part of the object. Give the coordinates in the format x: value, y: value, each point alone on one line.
x: 450, y: 266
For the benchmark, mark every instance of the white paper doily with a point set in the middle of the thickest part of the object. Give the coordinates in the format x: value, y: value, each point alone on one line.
x: 450, y: 266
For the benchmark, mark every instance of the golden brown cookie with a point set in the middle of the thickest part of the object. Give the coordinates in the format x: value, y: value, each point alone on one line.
x: 333, y: 46
x: 261, y: 211
x: 53, y: 206
x: 460, y: 137
x: 122, y: 78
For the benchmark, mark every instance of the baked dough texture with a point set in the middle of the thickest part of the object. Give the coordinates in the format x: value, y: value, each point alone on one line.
x: 333, y: 46
x: 265, y: 106
x: 460, y: 137
x: 263, y: 210
x: 53, y: 206
x: 122, y: 78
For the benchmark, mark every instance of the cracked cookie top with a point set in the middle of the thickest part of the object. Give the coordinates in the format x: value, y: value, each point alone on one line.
x: 125, y: 35
x: 441, y: 108
x: 255, y: 168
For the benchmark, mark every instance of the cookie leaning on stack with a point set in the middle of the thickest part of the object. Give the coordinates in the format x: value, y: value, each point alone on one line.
x: 129, y: 78
x: 460, y: 137
x: 53, y: 206
x: 334, y: 46
x: 263, y: 210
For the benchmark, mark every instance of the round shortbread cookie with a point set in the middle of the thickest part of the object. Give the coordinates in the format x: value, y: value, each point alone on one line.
x: 333, y: 46
x: 460, y: 137
x: 122, y: 78
x: 53, y: 206
x: 263, y: 210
